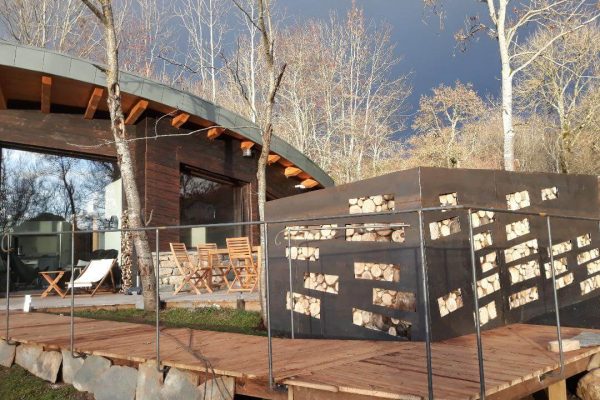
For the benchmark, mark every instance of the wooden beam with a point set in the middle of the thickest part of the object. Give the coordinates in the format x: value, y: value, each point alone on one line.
x: 309, y: 183
x: 179, y: 120
x: 558, y: 391
x: 285, y: 162
x: 136, y: 112
x: 292, y: 171
x: 46, y: 93
x: 246, y: 144
x: 93, y: 103
x: 273, y: 158
x: 214, y: 132
x: 2, y: 100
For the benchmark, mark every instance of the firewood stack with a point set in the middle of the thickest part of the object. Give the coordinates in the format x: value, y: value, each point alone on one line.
x: 303, y: 253
x: 590, y: 284
x: 523, y: 297
x: 482, y: 240
x: 312, y: 232
x: 522, y: 272
x: 521, y: 250
x: 488, y: 285
x: 549, y: 193
x: 518, y: 200
x: 488, y: 262
x: 560, y: 266
x: 404, y: 301
x: 378, y: 272
x: 444, y: 228
x: 378, y: 322
x: 481, y: 218
x: 375, y: 233
x: 517, y: 229
x: 487, y: 313
x: 322, y: 282
x: 371, y: 204
x: 304, y: 304
x: 450, y: 303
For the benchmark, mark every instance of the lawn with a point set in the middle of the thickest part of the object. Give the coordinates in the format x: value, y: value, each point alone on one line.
x: 206, y: 318
x: 18, y: 384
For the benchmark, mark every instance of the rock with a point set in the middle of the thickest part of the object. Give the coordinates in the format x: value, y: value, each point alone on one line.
x: 116, y: 383
x: 27, y: 355
x: 594, y: 362
x: 7, y: 353
x: 180, y: 385
x: 149, y: 381
x: 47, y: 366
x: 588, y: 387
x: 93, y: 367
x: 220, y: 388
x: 70, y: 366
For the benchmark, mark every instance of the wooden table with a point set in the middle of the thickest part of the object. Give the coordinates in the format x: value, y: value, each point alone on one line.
x: 53, y: 281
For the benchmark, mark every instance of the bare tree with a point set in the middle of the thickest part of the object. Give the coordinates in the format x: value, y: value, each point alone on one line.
x: 560, y: 83
x: 508, y: 24
x: 102, y: 9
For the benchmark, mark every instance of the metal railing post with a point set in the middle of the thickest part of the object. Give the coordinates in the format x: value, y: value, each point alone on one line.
x: 157, y: 300
x: 555, y: 295
x: 289, y: 236
x: 8, y: 289
x: 425, y: 290
x: 72, y: 316
x: 265, y: 230
x: 476, y: 304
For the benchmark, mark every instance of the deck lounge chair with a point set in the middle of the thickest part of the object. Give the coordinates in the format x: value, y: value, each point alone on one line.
x: 242, y: 265
x: 94, y: 275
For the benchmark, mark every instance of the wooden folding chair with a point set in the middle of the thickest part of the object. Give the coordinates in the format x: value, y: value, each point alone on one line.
x: 208, y: 261
x: 242, y: 265
x: 191, y: 274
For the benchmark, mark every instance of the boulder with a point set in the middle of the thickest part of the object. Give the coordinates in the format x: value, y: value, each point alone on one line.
x: 588, y: 387
x: 220, y: 388
x: 7, y: 353
x: 47, y: 366
x: 149, y: 381
x: 594, y: 362
x: 93, y: 367
x: 27, y: 355
x: 116, y: 383
x: 70, y: 366
x: 180, y: 385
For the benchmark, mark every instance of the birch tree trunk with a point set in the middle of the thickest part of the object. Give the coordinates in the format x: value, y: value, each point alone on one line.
x: 140, y: 239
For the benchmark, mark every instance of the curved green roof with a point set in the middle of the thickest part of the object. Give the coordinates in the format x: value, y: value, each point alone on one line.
x: 51, y: 62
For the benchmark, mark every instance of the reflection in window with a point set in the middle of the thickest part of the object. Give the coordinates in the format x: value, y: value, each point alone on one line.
x: 209, y: 201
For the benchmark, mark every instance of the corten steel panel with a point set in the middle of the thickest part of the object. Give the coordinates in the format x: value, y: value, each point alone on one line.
x: 448, y: 258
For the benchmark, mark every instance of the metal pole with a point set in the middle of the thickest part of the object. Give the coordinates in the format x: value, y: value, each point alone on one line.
x: 268, y: 311
x: 476, y: 313
x: 555, y: 294
x: 425, y: 290
x: 289, y: 235
x: 8, y: 288
x: 72, y: 317
x: 157, y: 273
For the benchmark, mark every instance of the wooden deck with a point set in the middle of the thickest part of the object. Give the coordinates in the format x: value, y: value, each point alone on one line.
x: 515, y: 359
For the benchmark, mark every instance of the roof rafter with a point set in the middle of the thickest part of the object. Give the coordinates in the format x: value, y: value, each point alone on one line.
x: 93, y: 103
x: 46, y: 94
x: 179, y: 120
x: 136, y: 112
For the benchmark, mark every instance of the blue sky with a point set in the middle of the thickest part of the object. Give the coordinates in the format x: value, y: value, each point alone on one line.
x: 428, y: 53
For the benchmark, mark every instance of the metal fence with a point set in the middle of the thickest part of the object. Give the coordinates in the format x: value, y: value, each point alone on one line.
x: 264, y: 228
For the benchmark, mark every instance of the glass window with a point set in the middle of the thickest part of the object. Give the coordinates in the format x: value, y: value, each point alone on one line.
x: 206, y: 200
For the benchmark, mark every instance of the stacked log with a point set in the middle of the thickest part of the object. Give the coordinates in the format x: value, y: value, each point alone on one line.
x: 564, y: 280
x: 488, y: 285
x: 488, y: 262
x: 405, y: 301
x: 377, y: 271
x: 560, y: 266
x: 371, y: 204
x: 562, y: 247
x: 590, y: 284
x: 523, y: 272
x: 487, y: 313
x: 482, y: 240
x: 584, y: 240
x: 378, y: 322
x: 303, y: 253
x: 523, y: 297
x: 521, y: 250
x: 448, y: 199
x: 311, y: 232
x: 518, y: 200
x: 375, y: 233
x: 517, y: 229
x: 586, y: 256
x: 481, y: 218
x: 322, y: 282
x: 450, y: 302
x: 593, y: 267
x: 550, y: 193
x: 304, y: 304
x: 443, y: 228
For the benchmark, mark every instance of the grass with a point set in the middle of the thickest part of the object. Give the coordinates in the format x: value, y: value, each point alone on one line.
x: 18, y: 384
x: 206, y: 318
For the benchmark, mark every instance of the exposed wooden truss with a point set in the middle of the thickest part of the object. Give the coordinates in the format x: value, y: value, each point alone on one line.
x: 46, y: 94
x: 136, y: 112
x: 180, y: 119
x: 273, y: 158
x: 246, y: 144
x: 292, y: 171
x: 309, y: 183
x: 93, y: 103
x: 214, y: 132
